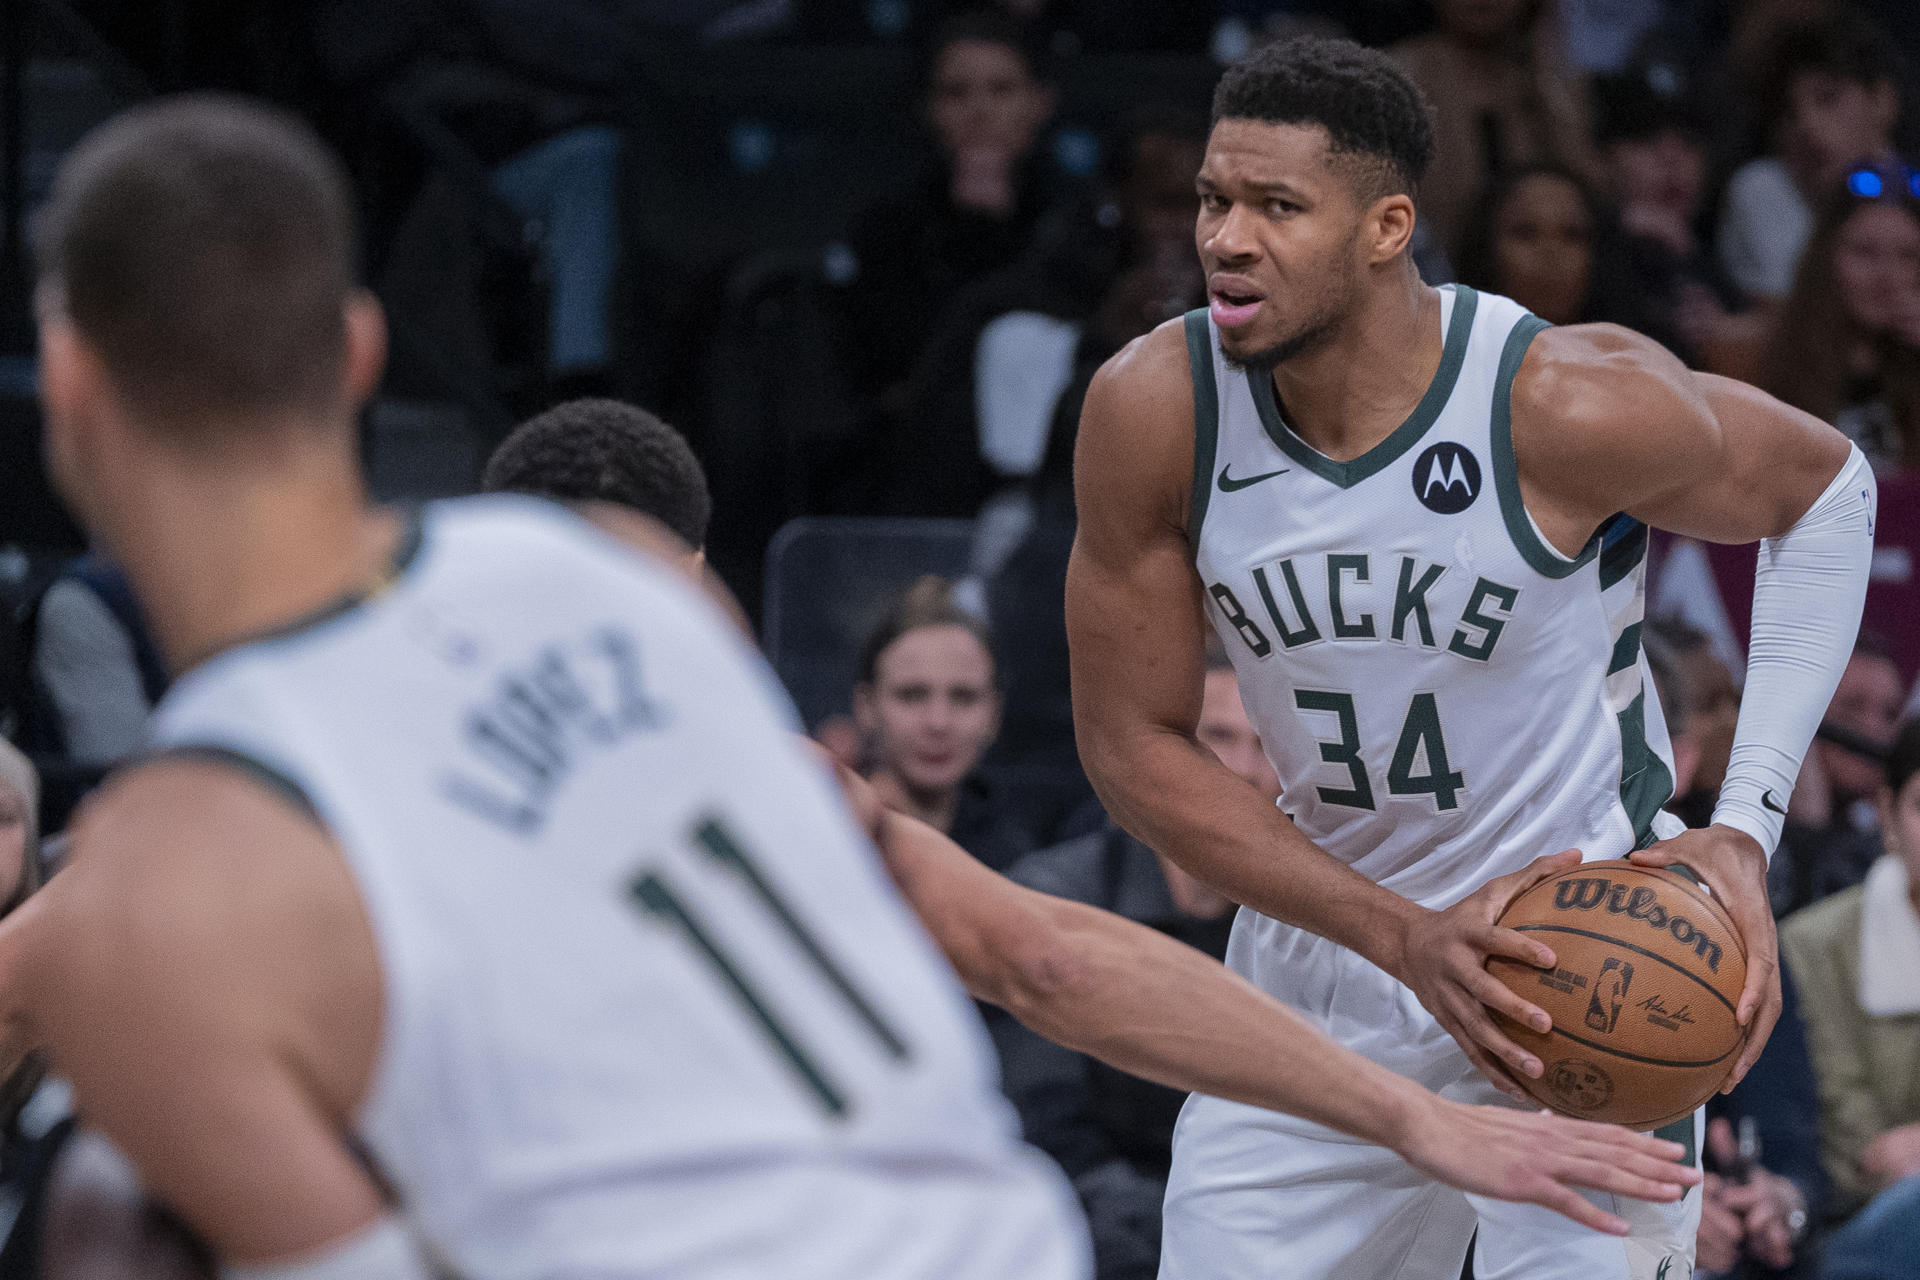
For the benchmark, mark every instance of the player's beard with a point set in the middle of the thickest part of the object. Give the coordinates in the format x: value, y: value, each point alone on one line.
x: 1331, y: 306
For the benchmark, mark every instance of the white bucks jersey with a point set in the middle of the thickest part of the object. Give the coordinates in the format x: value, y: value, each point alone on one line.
x: 652, y: 1007
x: 1444, y: 696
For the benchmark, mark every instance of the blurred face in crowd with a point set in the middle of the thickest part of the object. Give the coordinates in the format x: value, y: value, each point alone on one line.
x: 1543, y: 247
x: 1711, y: 715
x: 1900, y: 829
x: 1285, y: 238
x: 1867, y: 701
x: 1834, y: 122
x: 1226, y: 730
x: 1481, y: 21
x: 983, y: 97
x: 1666, y: 171
x: 1876, y: 261
x: 932, y: 709
x: 13, y: 840
x: 1158, y: 195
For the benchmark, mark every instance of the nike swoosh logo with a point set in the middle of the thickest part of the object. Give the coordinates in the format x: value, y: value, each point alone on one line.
x: 1229, y: 485
x: 1767, y: 802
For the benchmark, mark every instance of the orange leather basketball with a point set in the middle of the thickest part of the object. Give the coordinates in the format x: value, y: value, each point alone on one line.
x: 1642, y: 998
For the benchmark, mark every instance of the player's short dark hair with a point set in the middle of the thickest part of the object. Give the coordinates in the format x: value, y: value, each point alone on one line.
x: 1371, y: 111
x: 204, y: 246
x: 928, y: 602
x: 1903, y: 758
x: 606, y: 451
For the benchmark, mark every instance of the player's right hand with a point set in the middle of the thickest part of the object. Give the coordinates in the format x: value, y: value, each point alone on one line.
x: 1443, y: 959
x: 1536, y: 1157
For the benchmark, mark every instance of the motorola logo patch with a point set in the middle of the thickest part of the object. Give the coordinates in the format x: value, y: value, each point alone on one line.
x: 1446, y: 478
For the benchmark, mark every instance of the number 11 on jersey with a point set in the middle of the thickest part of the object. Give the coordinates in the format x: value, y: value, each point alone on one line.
x: 653, y: 890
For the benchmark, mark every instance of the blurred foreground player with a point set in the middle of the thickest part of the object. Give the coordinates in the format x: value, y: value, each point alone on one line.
x: 1417, y: 519
x: 479, y: 906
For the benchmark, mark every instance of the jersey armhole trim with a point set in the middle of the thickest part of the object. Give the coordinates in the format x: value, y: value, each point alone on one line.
x: 267, y: 775
x: 1506, y: 469
x: 1206, y: 421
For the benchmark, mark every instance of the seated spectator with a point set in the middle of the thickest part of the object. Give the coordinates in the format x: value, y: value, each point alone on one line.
x: 1856, y: 956
x: 1831, y: 102
x: 1702, y: 707
x: 976, y: 208
x: 999, y: 357
x: 1112, y: 1133
x: 1504, y: 95
x: 928, y: 702
x: 1653, y: 149
x: 1847, y: 344
x: 1883, y: 1243
x: 1541, y: 237
x: 1832, y: 834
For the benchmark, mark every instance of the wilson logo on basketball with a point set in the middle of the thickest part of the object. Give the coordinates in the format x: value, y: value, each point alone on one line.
x: 1593, y: 893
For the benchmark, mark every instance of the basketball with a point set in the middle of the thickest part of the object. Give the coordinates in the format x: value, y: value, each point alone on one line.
x: 1642, y: 998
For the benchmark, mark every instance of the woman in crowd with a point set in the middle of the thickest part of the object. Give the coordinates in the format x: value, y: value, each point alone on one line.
x: 1504, y: 94
x: 1847, y: 346
x: 1856, y: 957
x: 928, y: 703
x: 1541, y: 237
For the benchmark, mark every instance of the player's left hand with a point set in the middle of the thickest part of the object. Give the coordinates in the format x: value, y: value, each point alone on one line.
x: 1732, y: 864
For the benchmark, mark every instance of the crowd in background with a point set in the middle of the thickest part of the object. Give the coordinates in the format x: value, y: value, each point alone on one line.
x: 893, y: 312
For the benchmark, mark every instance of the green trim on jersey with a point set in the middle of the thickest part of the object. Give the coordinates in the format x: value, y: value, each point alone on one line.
x: 1347, y: 474
x: 1681, y: 1131
x: 1645, y: 782
x: 1506, y: 471
x: 1206, y: 420
x: 1623, y: 557
x: 268, y: 776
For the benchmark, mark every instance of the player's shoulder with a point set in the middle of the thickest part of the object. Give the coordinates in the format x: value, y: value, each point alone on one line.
x: 1148, y: 379
x: 182, y: 864
x: 1590, y: 392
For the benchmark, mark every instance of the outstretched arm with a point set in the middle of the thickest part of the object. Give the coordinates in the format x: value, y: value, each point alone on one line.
x: 1607, y: 421
x: 1159, y: 1009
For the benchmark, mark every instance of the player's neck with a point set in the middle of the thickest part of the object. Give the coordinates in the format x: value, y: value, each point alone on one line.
x: 1347, y: 396
x: 231, y: 552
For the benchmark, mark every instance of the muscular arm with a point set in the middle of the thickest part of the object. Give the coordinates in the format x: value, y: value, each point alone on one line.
x: 169, y: 969
x: 1140, y: 1001
x: 1605, y: 421
x: 1137, y: 631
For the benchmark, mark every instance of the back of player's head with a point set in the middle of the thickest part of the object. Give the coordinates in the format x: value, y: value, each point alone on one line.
x: 1374, y: 116
x: 928, y: 602
x: 204, y: 246
x: 606, y: 451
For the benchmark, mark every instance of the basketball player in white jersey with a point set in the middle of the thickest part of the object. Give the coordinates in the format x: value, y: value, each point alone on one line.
x: 479, y: 904
x: 1417, y: 519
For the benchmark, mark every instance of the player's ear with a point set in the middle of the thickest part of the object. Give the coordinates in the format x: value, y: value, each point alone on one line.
x: 366, y: 346
x: 1390, y: 227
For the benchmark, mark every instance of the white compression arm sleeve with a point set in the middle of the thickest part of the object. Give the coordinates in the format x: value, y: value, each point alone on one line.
x: 1807, y: 595
x: 382, y: 1251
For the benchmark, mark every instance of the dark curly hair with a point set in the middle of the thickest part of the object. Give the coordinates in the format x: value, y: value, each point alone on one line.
x: 606, y: 451
x: 1373, y: 114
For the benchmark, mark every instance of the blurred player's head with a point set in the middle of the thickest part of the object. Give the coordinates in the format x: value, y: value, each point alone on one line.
x: 1307, y: 191
x: 928, y: 698
x: 198, y: 314
x: 607, y: 451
